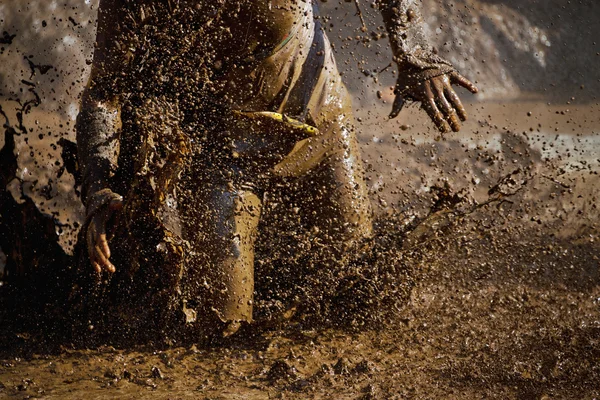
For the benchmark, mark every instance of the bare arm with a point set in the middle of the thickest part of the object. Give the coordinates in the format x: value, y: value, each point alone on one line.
x: 98, y: 129
x: 423, y: 75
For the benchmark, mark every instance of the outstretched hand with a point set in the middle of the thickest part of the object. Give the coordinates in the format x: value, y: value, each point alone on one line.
x: 97, y: 237
x: 437, y: 98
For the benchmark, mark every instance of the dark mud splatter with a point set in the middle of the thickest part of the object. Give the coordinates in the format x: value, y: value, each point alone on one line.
x: 488, y: 289
x: 492, y: 314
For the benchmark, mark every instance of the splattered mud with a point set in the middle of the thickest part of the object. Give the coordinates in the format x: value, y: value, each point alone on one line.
x: 517, y: 318
x: 505, y: 304
x: 505, y: 299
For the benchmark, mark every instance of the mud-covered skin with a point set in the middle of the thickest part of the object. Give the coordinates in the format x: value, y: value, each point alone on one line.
x: 423, y: 75
x: 205, y: 61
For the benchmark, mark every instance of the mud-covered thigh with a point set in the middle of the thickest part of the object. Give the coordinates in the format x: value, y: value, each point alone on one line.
x: 332, y: 197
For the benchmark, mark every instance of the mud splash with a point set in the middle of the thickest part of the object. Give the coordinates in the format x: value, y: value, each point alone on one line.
x: 456, y: 298
x: 482, y: 281
x: 498, y: 310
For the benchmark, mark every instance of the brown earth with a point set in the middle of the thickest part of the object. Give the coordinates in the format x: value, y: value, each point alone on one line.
x: 494, y: 316
x: 506, y: 302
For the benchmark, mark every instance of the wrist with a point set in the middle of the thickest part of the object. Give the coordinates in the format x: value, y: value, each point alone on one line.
x: 423, y: 60
x: 97, y: 176
x: 100, y: 199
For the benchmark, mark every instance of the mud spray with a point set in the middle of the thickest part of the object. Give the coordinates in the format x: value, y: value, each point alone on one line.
x: 481, y: 279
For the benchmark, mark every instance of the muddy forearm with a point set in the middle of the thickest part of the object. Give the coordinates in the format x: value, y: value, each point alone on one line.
x: 98, y: 128
x: 403, y: 22
x: 411, y: 49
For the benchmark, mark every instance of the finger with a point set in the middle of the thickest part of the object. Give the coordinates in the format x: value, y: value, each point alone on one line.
x: 96, y: 266
x: 111, y: 268
x: 464, y: 82
x: 446, y: 107
x: 106, y: 253
x: 432, y: 110
x: 108, y: 266
x: 96, y: 262
x: 455, y: 100
x: 450, y: 114
x: 102, y: 260
x: 398, y: 106
x: 99, y: 257
x: 436, y: 116
x: 104, y: 245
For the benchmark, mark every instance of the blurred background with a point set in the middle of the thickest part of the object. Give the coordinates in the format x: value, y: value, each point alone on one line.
x: 512, y: 48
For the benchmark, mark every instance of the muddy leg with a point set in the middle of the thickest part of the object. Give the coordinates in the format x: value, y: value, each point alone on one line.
x: 222, y: 231
x: 334, y: 200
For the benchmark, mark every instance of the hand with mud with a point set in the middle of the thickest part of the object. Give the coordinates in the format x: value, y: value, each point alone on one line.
x: 437, y: 98
x: 99, y: 233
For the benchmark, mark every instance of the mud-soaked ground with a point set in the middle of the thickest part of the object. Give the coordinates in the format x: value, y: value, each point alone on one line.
x: 506, y: 302
x: 494, y: 316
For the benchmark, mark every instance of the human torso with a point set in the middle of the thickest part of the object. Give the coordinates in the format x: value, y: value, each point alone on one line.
x: 221, y: 41
x: 229, y: 29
